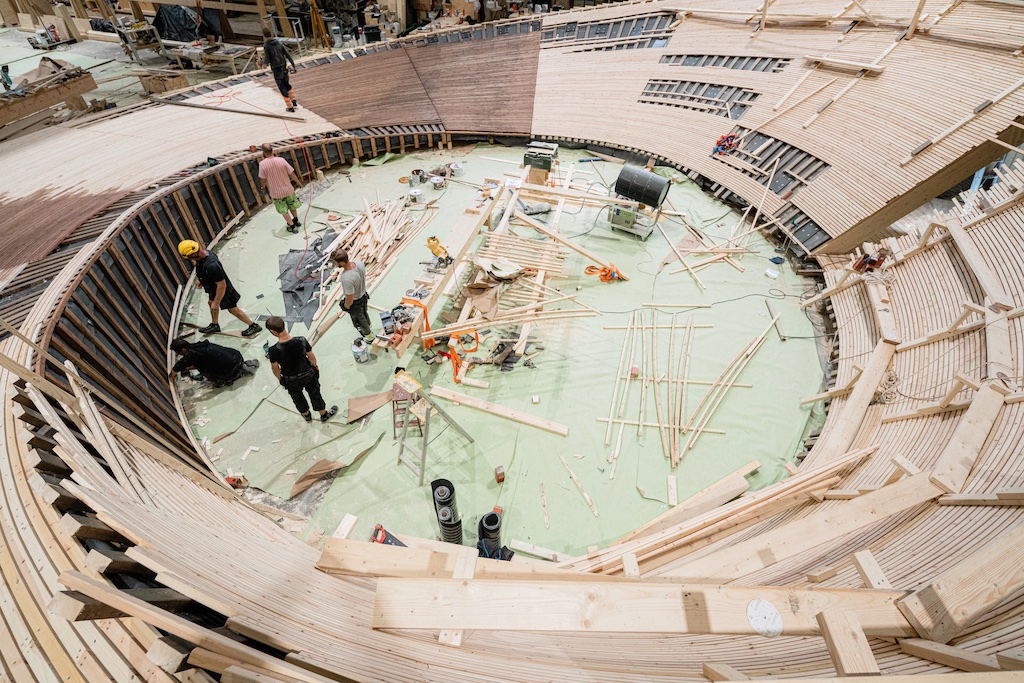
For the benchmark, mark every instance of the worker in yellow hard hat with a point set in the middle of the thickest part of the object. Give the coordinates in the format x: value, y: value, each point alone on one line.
x: 211, y: 277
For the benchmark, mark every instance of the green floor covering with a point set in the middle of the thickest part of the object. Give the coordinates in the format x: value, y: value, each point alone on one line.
x: 573, y: 378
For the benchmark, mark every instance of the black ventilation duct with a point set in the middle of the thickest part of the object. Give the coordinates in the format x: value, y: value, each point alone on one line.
x: 642, y: 186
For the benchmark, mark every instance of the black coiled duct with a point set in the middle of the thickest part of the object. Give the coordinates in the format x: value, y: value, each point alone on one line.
x: 451, y: 526
x: 489, y: 527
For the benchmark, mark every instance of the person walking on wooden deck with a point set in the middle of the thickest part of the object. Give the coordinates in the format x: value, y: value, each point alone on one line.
x: 277, y: 176
x: 353, y: 284
x: 277, y: 57
x: 211, y: 277
x: 295, y: 367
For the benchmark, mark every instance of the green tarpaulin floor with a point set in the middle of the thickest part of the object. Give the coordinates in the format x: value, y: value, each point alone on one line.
x: 573, y: 377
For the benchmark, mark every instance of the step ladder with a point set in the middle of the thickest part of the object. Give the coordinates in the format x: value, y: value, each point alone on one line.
x: 422, y: 409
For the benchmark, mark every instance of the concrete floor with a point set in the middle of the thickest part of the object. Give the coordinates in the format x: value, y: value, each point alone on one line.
x: 573, y: 379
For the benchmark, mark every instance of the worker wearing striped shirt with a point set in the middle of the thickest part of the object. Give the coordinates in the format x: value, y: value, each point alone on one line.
x: 277, y: 176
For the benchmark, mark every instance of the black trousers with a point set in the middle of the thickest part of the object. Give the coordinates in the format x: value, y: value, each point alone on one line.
x: 298, y: 393
x: 360, y: 318
x: 284, y: 83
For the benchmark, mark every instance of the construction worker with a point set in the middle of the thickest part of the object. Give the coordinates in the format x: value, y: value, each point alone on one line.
x: 219, y: 364
x: 277, y: 57
x: 353, y: 283
x: 276, y: 177
x: 211, y: 277
x: 295, y: 367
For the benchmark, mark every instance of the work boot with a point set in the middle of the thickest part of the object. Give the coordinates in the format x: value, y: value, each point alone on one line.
x: 251, y: 331
x: 308, y: 417
x: 295, y: 103
x: 290, y: 109
x: 369, y: 337
x: 329, y: 414
x: 212, y: 328
x: 292, y: 228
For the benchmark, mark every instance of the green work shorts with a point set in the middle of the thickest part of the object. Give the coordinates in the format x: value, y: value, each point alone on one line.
x: 286, y: 204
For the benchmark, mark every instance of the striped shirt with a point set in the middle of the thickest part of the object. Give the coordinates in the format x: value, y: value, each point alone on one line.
x: 275, y: 171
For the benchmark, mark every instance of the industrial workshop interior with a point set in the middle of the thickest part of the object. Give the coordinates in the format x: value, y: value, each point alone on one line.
x: 442, y: 341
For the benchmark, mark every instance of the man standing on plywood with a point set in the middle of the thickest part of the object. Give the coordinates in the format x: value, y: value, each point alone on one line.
x: 211, y: 277
x: 277, y: 57
x: 277, y: 176
x: 353, y: 284
x: 295, y: 367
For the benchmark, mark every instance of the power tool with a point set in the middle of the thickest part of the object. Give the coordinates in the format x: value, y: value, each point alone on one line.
x: 441, y: 258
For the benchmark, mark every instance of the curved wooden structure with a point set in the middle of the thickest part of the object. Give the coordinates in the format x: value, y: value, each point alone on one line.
x: 894, y: 548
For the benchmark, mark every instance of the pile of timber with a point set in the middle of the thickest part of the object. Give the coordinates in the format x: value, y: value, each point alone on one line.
x: 376, y: 237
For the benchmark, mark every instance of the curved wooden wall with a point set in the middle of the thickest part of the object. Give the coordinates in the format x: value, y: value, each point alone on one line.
x: 125, y: 510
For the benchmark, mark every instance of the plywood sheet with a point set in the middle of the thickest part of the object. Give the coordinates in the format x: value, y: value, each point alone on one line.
x: 376, y: 90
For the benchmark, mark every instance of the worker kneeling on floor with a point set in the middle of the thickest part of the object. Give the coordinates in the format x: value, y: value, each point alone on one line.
x: 218, y: 364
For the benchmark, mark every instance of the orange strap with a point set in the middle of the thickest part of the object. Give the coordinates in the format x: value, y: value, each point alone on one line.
x: 456, y: 361
x: 476, y: 337
x: 427, y: 343
x: 610, y: 274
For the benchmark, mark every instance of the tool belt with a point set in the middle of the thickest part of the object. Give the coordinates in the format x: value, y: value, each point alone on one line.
x: 300, y: 380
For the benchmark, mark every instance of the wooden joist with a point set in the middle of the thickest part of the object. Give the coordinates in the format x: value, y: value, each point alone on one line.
x: 716, y: 671
x: 184, y: 629
x: 585, y: 606
x: 870, y: 571
x: 499, y: 411
x: 961, y: 452
x: 847, y: 645
x: 75, y: 606
x: 540, y: 227
x: 956, y: 598
x: 956, y: 657
x: 988, y: 279
x: 841, y: 437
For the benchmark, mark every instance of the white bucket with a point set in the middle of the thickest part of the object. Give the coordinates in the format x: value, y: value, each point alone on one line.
x: 457, y: 170
x: 438, y: 182
x: 415, y: 195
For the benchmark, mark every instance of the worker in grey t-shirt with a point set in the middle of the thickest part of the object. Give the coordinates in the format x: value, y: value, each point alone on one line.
x: 353, y: 283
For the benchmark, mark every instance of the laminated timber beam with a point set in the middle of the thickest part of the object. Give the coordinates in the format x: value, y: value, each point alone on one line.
x: 803, y: 534
x: 952, y: 601
x: 590, y: 607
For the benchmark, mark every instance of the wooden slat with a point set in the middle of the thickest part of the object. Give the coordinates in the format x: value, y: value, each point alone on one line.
x: 625, y: 608
x: 847, y: 644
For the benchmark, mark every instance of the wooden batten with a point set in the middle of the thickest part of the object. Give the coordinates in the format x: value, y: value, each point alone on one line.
x: 847, y: 645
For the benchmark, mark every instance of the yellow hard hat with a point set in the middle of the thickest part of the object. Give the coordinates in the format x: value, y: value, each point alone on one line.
x: 187, y: 247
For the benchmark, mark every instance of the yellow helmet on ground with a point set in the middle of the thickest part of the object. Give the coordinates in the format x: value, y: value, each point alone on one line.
x: 187, y: 247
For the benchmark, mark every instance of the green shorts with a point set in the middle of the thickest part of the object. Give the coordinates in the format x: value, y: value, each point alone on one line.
x: 286, y: 204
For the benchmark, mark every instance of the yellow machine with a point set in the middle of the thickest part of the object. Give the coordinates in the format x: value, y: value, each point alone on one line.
x: 441, y: 257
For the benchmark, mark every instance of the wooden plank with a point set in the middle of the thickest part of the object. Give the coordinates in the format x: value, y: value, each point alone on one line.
x: 75, y: 606
x: 956, y: 598
x: 870, y: 571
x: 988, y: 279
x: 832, y: 61
x: 237, y: 674
x: 499, y: 411
x: 881, y: 308
x: 961, y: 452
x: 722, y: 491
x: 716, y: 671
x: 844, y: 431
x: 1012, y: 660
x: 847, y: 645
x: 170, y: 653
x: 956, y: 657
x: 976, y: 499
x: 347, y: 557
x: 585, y: 606
x: 566, y: 243
x: 201, y: 637
x: 808, y: 532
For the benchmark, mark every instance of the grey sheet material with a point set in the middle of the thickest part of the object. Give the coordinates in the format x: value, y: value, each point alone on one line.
x: 299, y: 293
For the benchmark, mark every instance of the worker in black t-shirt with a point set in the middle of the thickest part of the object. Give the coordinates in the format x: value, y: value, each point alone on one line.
x: 217, y: 363
x: 211, y: 277
x: 294, y: 365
